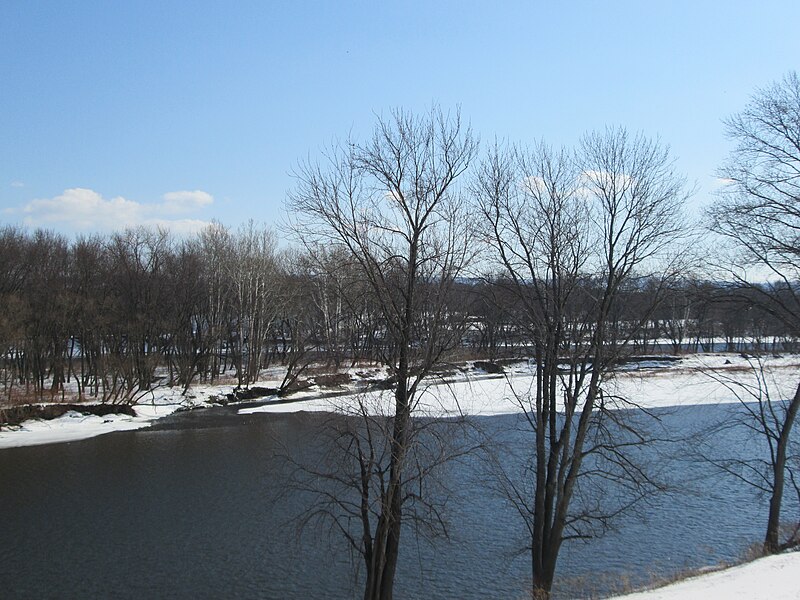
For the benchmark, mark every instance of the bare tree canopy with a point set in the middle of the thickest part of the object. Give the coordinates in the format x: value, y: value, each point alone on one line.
x: 393, y: 205
x: 759, y: 213
x: 575, y: 233
x: 759, y: 208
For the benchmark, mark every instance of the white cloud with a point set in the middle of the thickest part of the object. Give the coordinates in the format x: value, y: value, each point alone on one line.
x: 534, y: 184
x: 17, y: 184
x: 720, y: 182
x: 606, y: 178
x: 179, y: 226
x: 178, y: 202
x: 81, y: 209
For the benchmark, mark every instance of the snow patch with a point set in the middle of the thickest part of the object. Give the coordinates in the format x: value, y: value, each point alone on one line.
x: 770, y: 578
x: 684, y: 383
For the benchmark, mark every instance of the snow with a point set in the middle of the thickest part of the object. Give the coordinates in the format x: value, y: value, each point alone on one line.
x: 694, y: 379
x: 690, y: 381
x: 73, y: 426
x: 69, y: 427
x: 770, y: 578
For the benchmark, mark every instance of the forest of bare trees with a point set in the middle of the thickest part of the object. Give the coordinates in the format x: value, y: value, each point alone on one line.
x: 106, y: 318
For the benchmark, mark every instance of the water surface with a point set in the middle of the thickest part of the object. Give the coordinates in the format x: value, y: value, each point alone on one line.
x: 187, y: 509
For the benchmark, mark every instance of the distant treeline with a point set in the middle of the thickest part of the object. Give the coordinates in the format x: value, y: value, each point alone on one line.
x: 108, y: 317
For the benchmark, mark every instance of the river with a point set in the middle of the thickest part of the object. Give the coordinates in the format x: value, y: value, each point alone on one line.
x: 188, y: 509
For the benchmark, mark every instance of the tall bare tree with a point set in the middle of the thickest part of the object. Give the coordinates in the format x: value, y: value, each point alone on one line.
x: 216, y: 248
x: 574, y: 233
x: 393, y: 205
x: 763, y: 406
x: 759, y: 213
x: 253, y: 274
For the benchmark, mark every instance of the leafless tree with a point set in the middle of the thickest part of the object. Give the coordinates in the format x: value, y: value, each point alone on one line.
x: 348, y: 480
x: 88, y: 282
x: 574, y: 234
x: 758, y: 211
x: 137, y: 261
x: 253, y: 275
x: 764, y: 404
x: 393, y: 205
x: 336, y: 290
x: 184, y: 347
x: 216, y: 249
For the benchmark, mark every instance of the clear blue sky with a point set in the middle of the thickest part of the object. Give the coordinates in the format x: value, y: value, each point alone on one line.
x: 108, y: 109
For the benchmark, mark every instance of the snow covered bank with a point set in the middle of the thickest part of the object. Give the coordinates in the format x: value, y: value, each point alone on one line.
x: 770, y: 578
x: 158, y: 403
x: 74, y: 426
x: 695, y: 379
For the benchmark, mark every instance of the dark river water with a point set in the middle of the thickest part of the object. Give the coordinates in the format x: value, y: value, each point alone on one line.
x: 188, y: 509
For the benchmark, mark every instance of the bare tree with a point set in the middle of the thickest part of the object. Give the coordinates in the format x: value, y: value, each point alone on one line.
x: 759, y: 213
x: 184, y: 307
x: 137, y: 286
x: 253, y: 276
x: 333, y: 286
x: 216, y: 250
x: 763, y: 404
x: 574, y: 233
x: 88, y: 282
x: 392, y: 204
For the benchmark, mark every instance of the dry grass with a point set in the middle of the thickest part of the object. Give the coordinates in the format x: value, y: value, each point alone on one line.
x: 752, y: 552
x: 21, y: 396
x: 732, y: 368
x: 589, y: 586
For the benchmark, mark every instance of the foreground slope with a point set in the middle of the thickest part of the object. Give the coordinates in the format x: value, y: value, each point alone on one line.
x: 770, y: 578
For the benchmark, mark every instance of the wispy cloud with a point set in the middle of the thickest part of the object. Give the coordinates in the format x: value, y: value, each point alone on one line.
x: 82, y: 209
x: 180, y: 202
x: 720, y: 182
x: 17, y: 184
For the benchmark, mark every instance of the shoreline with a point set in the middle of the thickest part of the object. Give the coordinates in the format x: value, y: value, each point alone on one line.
x: 464, y: 390
x: 768, y: 577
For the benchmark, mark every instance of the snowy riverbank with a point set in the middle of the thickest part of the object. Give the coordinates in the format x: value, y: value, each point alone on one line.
x: 769, y: 578
x: 74, y: 426
x: 694, y: 379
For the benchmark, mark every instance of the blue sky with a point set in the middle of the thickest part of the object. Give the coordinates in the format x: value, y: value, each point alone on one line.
x: 121, y: 113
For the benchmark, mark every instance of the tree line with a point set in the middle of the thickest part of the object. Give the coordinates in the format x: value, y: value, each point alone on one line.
x: 106, y: 318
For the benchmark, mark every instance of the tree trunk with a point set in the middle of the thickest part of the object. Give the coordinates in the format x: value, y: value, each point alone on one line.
x: 771, y: 540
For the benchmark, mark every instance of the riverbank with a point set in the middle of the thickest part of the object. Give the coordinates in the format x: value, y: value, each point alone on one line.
x: 768, y: 578
x: 469, y: 389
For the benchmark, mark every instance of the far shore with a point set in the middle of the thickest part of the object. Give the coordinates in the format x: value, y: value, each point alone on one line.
x: 473, y: 388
